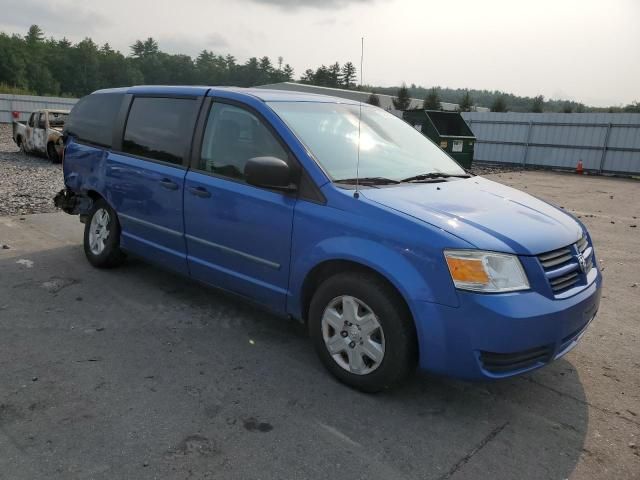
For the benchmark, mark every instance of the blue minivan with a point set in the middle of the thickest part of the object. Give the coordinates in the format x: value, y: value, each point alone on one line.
x: 335, y: 213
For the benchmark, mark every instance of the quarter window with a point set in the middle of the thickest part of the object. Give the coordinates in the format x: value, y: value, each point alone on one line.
x: 232, y: 137
x: 92, y: 119
x: 159, y: 128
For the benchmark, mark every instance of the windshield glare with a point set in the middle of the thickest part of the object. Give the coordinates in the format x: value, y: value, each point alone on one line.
x: 389, y: 147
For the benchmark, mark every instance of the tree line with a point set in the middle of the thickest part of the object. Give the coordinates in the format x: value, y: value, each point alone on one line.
x: 33, y: 64
x: 47, y: 66
x: 496, y: 101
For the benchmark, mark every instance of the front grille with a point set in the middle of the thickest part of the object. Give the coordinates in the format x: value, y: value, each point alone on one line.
x: 510, y: 362
x: 557, y: 257
x: 562, y: 267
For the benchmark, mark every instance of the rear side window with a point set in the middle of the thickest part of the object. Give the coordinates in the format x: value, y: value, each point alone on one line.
x: 92, y: 119
x: 159, y: 128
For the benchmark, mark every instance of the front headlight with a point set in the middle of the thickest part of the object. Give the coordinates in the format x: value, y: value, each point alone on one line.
x: 488, y: 272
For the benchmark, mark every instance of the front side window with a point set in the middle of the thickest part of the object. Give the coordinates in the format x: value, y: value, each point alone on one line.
x: 42, y: 120
x: 159, y: 128
x: 32, y: 119
x: 232, y: 137
x: 389, y: 147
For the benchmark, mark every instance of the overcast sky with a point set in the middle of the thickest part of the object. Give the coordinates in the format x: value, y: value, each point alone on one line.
x: 583, y: 50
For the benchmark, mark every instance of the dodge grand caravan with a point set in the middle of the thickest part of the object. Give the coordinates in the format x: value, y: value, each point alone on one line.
x: 337, y: 214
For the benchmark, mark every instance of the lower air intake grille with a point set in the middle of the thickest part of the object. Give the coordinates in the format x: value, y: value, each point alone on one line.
x: 508, y: 362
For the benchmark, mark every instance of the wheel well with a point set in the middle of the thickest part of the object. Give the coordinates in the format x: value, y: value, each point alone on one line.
x: 327, y: 269
x: 19, y: 139
x: 93, y: 195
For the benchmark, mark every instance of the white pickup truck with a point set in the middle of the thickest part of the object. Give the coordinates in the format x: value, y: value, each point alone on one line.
x: 42, y: 133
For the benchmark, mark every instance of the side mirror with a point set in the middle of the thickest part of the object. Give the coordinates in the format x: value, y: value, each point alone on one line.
x: 269, y: 172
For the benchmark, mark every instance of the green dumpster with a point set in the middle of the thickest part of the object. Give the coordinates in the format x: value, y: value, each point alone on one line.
x: 446, y: 129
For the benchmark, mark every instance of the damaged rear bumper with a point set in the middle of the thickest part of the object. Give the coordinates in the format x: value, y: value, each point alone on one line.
x: 73, y: 203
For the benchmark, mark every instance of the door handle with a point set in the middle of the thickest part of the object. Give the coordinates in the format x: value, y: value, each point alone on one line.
x: 168, y: 184
x: 199, y: 192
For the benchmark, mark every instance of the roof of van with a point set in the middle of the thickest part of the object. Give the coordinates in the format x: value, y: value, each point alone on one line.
x: 265, y: 95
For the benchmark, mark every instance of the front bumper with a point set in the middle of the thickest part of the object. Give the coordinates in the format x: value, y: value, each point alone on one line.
x: 495, y: 336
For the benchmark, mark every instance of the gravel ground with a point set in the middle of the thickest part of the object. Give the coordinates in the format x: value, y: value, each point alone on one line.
x: 490, y: 169
x: 28, y: 183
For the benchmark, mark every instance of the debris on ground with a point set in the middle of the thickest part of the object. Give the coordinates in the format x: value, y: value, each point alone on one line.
x: 491, y: 168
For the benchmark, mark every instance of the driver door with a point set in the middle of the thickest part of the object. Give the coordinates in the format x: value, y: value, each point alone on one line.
x: 238, y: 235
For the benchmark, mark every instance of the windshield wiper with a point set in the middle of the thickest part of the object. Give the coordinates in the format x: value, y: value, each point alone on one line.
x: 433, y: 176
x: 368, y: 181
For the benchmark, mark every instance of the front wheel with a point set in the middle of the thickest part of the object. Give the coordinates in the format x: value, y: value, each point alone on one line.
x: 102, y: 237
x: 362, y: 331
x: 52, y: 153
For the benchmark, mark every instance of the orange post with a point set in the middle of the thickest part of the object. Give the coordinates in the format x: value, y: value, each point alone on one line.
x: 579, y: 169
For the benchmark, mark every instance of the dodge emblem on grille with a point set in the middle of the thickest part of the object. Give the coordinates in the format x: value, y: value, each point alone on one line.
x: 582, y: 262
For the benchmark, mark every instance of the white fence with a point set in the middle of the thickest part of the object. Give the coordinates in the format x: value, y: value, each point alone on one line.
x: 25, y: 104
x: 605, y: 142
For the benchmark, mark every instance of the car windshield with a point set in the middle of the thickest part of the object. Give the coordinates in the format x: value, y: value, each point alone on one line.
x: 389, y: 147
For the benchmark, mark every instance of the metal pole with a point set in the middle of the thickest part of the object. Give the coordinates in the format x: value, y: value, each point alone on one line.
x: 526, y: 145
x: 604, y: 147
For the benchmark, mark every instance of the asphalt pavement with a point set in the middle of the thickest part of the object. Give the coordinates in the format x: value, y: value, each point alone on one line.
x: 138, y: 373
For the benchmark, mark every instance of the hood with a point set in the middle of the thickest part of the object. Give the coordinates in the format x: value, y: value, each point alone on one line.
x: 489, y: 215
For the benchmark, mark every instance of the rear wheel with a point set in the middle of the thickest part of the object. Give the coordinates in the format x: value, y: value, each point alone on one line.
x: 21, y: 145
x: 362, y: 331
x: 102, y: 237
x: 52, y: 153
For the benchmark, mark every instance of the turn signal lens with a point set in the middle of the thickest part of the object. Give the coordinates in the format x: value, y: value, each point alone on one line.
x: 467, y: 270
x: 487, y: 272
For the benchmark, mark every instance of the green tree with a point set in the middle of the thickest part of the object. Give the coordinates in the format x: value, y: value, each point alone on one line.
x: 499, y: 104
x: 147, y: 48
x: 567, y: 107
x: 374, y: 100
x: 466, y: 102
x: 287, y: 73
x: 348, y: 75
x: 632, y: 108
x: 12, y: 62
x: 432, y: 100
x: 333, y: 75
x: 34, y: 35
x: 308, y: 76
x: 537, y: 105
x: 402, y: 100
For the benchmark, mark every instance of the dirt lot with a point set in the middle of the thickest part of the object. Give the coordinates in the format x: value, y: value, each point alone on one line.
x: 137, y: 373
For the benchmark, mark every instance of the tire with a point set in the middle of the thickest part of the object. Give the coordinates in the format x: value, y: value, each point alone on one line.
x: 21, y: 146
x: 52, y: 153
x: 364, y: 356
x: 102, y: 237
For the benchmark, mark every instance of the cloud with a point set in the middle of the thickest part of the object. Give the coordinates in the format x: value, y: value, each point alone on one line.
x: 318, y: 4
x: 191, y: 45
x: 54, y: 18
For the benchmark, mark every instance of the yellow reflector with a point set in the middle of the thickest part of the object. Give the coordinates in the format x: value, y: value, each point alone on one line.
x: 467, y: 270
